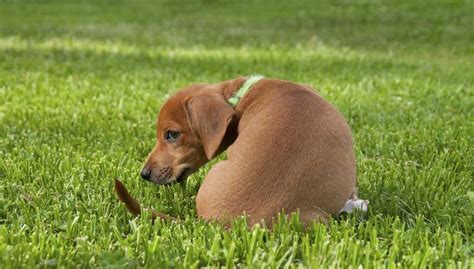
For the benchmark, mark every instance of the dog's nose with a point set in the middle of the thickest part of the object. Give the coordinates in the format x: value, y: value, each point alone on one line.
x: 145, y: 174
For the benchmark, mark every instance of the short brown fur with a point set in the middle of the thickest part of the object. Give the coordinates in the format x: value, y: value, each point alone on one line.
x: 287, y: 149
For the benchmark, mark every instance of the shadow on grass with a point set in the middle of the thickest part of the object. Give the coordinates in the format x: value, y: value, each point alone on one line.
x: 362, y: 25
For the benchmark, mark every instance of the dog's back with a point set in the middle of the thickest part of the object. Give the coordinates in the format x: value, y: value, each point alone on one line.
x: 294, y: 151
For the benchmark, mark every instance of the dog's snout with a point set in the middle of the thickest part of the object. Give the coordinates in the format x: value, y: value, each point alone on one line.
x: 145, y: 173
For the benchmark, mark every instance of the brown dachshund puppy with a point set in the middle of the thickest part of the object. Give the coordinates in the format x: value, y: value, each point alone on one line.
x: 287, y: 149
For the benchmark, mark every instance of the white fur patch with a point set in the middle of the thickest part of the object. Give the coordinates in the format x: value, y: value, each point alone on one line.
x: 355, y: 204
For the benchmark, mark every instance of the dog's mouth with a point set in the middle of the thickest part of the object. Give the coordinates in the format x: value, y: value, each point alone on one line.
x: 183, y: 174
x: 165, y: 177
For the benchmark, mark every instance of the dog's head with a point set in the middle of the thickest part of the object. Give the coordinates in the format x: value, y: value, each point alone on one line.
x: 191, y: 130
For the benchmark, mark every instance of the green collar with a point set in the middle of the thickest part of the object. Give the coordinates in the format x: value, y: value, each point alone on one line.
x: 234, y: 100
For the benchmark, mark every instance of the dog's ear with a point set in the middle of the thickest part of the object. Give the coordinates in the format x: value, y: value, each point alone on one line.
x: 209, y: 116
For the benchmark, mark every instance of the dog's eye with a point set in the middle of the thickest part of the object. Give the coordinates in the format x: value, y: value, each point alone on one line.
x: 171, y: 136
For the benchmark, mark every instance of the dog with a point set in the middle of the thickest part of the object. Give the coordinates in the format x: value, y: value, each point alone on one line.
x: 288, y: 150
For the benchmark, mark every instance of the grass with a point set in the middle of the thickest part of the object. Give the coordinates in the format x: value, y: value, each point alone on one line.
x: 81, y: 83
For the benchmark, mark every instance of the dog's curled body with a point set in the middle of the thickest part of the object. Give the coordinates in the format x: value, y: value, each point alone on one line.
x: 292, y: 151
x: 287, y: 150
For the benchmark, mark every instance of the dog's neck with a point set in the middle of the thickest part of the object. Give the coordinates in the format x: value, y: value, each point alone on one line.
x: 230, y: 87
x: 227, y: 89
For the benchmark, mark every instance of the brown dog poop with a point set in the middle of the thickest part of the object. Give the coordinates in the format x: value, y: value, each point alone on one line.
x: 130, y: 203
x: 133, y: 206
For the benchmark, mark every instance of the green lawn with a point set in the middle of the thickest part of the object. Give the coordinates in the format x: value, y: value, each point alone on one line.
x: 81, y: 83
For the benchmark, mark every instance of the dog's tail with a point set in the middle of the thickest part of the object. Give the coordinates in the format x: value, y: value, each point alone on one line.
x: 133, y: 206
